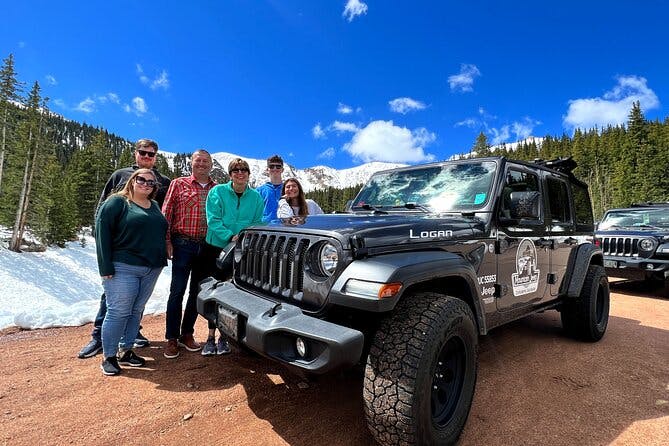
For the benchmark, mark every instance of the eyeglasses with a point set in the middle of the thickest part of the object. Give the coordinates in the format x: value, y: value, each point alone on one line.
x: 146, y: 153
x: 239, y: 171
x: 275, y: 166
x: 142, y: 180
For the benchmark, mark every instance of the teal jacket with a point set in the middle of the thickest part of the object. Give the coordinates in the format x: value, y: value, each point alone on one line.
x: 227, y: 214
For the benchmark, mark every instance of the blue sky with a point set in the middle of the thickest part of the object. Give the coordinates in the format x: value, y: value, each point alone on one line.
x: 340, y: 82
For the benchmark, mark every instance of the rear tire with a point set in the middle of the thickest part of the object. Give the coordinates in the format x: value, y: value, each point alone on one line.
x: 421, y: 372
x: 587, y: 317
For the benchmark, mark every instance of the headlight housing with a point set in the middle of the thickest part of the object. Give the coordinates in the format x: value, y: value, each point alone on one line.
x: 647, y: 244
x: 327, y: 259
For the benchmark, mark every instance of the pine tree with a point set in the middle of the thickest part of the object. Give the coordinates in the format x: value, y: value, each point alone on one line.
x: 31, y: 135
x: 9, y: 91
x: 481, y: 146
x: 90, y: 169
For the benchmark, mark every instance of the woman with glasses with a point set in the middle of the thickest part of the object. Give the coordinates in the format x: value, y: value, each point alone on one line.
x: 231, y: 207
x: 293, y: 202
x: 130, y: 233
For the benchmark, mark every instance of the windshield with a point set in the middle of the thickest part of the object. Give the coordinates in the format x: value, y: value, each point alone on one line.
x: 636, y: 218
x: 448, y: 187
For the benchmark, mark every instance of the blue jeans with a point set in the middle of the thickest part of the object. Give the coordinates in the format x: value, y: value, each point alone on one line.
x: 189, y: 258
x: 127, y: 293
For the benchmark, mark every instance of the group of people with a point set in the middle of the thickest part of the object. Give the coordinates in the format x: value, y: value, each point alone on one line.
x: 143, y: 219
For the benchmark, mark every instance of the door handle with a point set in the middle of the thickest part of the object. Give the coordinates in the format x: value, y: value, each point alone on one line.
x: 544, y: 242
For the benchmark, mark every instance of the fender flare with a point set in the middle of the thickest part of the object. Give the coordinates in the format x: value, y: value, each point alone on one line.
x: 579, y: 261
x: 409, y: 268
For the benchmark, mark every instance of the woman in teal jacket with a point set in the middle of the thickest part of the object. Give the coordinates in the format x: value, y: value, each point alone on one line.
x: 231, y: 207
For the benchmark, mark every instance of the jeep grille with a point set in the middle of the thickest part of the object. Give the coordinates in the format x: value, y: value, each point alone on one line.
x: 621, y: 246
x: 274, y: 263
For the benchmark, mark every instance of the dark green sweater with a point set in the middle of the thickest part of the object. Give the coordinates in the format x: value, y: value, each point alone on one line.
x: 128, y: 233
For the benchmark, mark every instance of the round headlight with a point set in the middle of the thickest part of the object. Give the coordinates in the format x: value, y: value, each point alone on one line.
x: 646, y: 244
x: 328, y: 257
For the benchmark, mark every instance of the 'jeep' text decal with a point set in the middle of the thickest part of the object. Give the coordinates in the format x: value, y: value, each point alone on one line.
x: 431, y: 234
x: 526, y: 278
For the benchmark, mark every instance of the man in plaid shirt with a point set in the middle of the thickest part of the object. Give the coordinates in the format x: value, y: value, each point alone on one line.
x: 184, y: 209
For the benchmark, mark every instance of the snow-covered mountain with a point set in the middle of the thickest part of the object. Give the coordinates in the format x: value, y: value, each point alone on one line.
x: 311, y: 178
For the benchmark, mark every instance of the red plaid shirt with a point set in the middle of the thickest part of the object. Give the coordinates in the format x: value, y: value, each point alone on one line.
x: 185, y: 207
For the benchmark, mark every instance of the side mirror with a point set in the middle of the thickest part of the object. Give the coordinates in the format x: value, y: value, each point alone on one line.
x: 525, y: 205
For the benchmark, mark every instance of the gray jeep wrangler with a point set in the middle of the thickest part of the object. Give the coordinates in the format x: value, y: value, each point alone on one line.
x: 426, y: 259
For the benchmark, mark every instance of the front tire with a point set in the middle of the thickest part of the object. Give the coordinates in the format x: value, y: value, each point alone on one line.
x: 421, y: 372
x: 587, y: 317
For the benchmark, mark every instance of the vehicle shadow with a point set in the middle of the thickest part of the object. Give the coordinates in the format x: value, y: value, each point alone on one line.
x: 641, y: 288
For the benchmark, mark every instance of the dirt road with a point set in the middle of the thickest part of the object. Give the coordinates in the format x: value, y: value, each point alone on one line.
x: 535, y: 387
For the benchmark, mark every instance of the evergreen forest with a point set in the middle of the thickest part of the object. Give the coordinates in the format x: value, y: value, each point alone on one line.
x: 52, y: 169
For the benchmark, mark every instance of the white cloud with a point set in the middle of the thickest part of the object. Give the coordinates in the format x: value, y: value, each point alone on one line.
x: 519, y: 129
x: 524, y: 129
x: 113, y: 97
x: 317, y: 131
x: 404, y: 105
x: 469, y: 122
x: 328, y: 153
x: 139, y: 106
x: 499, y: 135
x: 140, y: 72
x: 50, y: 80
x: 59, y: 103
x: 353, y: 9
x: 86, y: 106
x: 161, y: 81
x: 339, y: 126
x: 614, y: 107
x: 464, y: 81
x: 384, y: 141
x: 344, y: 109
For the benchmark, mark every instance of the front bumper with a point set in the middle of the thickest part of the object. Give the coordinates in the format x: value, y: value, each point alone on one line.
x: 272, y: 328
x: 635, y: 268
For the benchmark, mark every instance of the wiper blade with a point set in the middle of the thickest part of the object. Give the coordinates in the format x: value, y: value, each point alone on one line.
x: 369, y: 207
x: 411, y: 205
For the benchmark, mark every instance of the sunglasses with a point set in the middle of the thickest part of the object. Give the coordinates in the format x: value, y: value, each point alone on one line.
x: 239, y: 171
x: 142, y: 180
x: 146, y: 153
x: 275, y: 166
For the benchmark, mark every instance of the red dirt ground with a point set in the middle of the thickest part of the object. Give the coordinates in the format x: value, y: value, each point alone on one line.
x: 535, y: 387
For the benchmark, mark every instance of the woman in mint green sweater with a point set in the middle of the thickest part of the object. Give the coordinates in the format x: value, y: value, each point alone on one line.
x: 231, y: 207
x: 130, y: 234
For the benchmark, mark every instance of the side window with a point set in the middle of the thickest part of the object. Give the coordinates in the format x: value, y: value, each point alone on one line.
x: 582, y: 206
x: 521, y: 198
x: 558, y: 201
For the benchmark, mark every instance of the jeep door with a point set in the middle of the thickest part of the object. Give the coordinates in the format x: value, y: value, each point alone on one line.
x: 560, y: 221
x: 523, y: 245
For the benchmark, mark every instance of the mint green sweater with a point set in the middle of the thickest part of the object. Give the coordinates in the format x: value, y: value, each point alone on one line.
x: 128, y: 233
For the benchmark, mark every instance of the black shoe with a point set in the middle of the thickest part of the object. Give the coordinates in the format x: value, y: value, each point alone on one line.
x: 110, y: 366
x: 131, y: 359
x: 141, y: 341
x: 91, y: 349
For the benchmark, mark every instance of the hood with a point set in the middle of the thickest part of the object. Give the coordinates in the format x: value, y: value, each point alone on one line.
x: 374, y: 230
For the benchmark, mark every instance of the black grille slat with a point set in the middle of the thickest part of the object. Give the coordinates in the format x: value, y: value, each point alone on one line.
x: 621, y: 246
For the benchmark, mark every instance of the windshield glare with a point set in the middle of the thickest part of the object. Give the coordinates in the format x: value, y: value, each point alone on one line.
x: 636, y: 218
x: 443, y: 188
